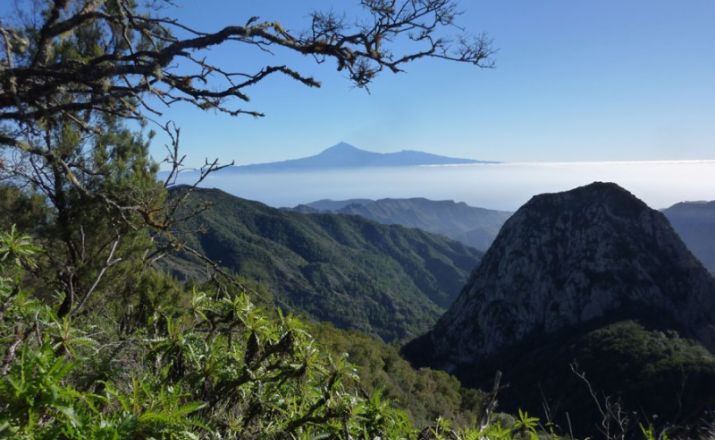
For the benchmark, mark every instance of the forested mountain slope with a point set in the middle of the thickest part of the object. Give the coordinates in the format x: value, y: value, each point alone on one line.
x: 476, y: 227
x: 389, y: 281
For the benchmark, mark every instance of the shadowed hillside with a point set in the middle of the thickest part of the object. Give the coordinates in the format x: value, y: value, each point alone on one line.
x: 389, y: 281
x: 476, y: 227
x: 695, y: 223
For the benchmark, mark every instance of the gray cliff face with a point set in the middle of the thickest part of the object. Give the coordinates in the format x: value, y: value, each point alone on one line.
x: 567, y: 258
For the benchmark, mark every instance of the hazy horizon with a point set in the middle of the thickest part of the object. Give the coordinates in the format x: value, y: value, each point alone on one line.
x: 503, y: 186
x: 439, y: 153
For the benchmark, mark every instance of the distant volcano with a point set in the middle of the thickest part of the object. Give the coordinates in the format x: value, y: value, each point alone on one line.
x: 345, y: 155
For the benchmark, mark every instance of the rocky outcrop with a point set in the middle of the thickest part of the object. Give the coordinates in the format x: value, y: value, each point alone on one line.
x: 566, y: 259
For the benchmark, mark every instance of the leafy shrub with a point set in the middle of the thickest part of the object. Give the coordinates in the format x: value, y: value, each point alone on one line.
x: 221, y: 369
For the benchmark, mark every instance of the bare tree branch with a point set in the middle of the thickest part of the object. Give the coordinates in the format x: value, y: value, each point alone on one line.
x: 139, y: 53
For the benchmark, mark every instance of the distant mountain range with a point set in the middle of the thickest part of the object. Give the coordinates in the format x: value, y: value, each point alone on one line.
x: 387, y: 281
x: 344, y: 155
x: 695, y: 223
x: 476, y: 227
x: 590, y: 279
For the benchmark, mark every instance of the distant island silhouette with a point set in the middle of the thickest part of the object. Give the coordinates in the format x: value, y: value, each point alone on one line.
x: 344, y: 155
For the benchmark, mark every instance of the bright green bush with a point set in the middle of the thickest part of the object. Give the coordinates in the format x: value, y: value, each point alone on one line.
x: 221, y: 369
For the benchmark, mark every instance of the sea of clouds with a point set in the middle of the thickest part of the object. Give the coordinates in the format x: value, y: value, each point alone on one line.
x: 498, y: 186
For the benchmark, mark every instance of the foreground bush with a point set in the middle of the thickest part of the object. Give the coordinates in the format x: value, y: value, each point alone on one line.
x: 222, y: 369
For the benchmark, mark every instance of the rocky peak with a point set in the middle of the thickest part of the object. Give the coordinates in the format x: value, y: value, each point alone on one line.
x: 568, y: 258
x: 341, y: 147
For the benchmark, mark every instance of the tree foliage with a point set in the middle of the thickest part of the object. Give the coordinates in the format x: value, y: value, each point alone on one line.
x: 222, y: 368
x: 424, y: 394
x: 109, y: 54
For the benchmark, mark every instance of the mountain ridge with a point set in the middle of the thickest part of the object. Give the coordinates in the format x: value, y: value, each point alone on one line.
x: 473, y: 226
x: 388, y: 281
x: 695, y: 223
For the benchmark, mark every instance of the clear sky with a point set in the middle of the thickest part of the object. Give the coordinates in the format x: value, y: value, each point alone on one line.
x: 574, y: 80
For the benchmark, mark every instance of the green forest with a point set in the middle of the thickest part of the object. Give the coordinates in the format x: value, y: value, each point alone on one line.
x: 388, y: 281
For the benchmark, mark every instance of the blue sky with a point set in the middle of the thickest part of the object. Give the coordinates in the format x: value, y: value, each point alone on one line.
x: 574, y: 80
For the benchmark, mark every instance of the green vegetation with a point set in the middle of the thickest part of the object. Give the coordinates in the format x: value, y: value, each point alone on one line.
x: 425, y: 394
x: 658, y: 372
x: 96, y: 342
x: 599, y: 372
x: 217, y: 367
x: 388, y: 281
x: 221, y: 368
